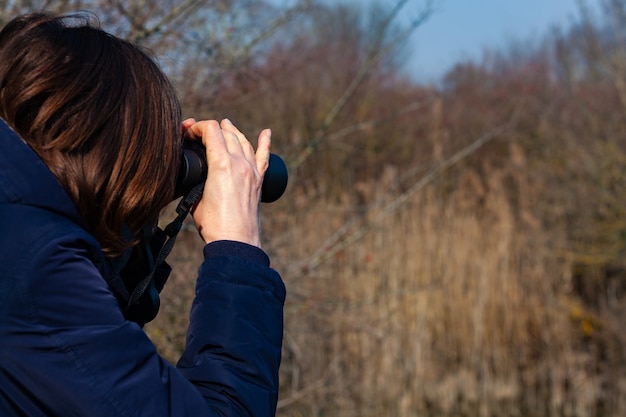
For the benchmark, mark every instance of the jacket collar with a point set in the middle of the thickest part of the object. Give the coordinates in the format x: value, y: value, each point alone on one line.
x: 25, y: 179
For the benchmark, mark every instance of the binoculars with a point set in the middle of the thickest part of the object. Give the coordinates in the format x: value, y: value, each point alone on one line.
x: 194, y: 167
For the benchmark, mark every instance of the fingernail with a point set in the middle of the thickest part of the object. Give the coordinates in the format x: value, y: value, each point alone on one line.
x: 228, y: 121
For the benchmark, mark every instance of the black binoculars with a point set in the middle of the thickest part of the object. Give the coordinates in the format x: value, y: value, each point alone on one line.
x: 194, y: 167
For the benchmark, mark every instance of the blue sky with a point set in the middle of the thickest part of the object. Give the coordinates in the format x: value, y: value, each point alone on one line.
x: 462, y: 29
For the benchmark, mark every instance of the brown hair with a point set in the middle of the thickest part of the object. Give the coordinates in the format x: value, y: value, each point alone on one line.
x: 101, y: 115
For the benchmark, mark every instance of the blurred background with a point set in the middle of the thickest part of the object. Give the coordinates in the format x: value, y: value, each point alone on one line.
x: 453, y: 234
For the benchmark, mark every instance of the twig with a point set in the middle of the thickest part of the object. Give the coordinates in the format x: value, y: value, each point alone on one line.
x: 143, y: 33
x: 283, y: 18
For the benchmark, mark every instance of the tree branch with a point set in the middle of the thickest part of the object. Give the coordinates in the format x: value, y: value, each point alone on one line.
x: 374, y: 56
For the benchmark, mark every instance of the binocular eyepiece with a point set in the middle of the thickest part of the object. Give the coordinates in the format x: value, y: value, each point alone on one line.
x: 194, y: 167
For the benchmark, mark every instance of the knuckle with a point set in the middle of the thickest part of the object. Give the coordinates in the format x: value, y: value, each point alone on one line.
x: 212, y: 123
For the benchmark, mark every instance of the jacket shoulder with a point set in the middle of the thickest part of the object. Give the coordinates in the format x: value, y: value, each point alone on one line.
x: 30, y: 235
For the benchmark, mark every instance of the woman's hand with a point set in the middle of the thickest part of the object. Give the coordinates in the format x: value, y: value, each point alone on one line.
x: 229, y: 207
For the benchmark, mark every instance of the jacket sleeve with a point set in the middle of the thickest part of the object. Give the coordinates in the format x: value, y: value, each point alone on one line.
x: 69, y: 351
x: 234, y: 339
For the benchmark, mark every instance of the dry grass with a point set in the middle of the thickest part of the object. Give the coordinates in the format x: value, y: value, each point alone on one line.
x: 457, y: 305
x: 454, y: 306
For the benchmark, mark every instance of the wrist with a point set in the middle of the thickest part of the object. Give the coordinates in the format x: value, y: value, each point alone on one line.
x: 247, y: 237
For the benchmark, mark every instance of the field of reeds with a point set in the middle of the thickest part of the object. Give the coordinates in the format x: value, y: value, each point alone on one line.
x: 456, y: 304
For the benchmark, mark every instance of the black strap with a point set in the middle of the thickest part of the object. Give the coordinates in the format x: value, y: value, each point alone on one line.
x: 171, y: 230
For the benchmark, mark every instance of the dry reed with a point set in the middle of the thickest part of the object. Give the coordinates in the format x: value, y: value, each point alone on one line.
x: 455, y: 306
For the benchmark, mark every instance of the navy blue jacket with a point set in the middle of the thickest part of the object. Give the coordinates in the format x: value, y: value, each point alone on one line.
x: 65, y: 347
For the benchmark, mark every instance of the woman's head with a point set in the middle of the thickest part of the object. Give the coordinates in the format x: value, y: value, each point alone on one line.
x: 99, y: 112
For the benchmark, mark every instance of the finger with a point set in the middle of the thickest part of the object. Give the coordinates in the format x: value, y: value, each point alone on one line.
x: 185, y: 125
x: 211, y: 134
x: 233, y: 143
x: 226, y: 124
x: 244, y: 144
x: 262, y: 156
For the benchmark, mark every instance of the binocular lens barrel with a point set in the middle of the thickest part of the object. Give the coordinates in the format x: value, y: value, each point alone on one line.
x: 194, y: 167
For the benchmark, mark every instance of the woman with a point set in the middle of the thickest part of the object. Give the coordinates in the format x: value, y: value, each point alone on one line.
x: 90, y: 142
